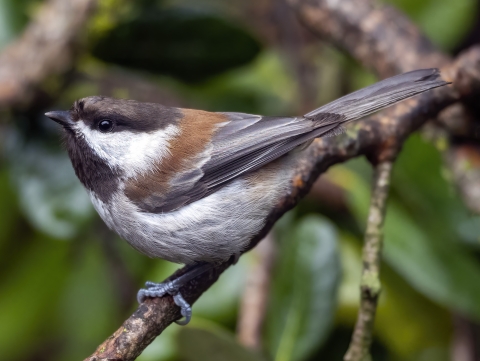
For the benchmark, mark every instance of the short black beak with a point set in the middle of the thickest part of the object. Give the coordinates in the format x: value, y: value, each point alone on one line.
x: 61, y: 117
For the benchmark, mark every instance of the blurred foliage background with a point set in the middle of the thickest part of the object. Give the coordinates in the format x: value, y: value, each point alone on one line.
x: 66, y: 282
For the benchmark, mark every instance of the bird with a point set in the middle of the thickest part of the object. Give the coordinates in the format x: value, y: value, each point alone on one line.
x: 192, y: 186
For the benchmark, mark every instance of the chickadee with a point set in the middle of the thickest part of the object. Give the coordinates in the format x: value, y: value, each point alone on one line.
x: 194, y: 187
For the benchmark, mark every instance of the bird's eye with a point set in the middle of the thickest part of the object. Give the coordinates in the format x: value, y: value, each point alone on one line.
x: 105, y: 125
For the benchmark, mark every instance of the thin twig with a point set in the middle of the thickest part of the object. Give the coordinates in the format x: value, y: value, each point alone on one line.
x: 359, y: 349
x: 255, y: 297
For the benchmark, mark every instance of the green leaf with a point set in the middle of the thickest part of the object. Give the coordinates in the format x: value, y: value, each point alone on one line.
x: 207, y: 341
x: 443, y: 271
x: 304, y: 291
x: 421, y: 184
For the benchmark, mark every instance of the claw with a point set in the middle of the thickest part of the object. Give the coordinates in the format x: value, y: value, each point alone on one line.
x: 141, y: 295
x: 149, y: 284
x: 185, y: 309
x: 162, y: 289
x: 173, y: 288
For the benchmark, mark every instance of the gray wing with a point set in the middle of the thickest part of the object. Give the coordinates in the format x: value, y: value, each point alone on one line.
x: 247, y: 142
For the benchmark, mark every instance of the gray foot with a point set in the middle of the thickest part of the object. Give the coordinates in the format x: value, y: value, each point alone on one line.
x: 173, y: 288
x: 168, y: 288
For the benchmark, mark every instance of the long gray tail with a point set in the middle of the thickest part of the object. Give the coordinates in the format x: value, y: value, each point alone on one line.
x: 380, y: 95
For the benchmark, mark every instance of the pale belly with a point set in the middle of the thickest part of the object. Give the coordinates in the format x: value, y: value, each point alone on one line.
x: 211, y: 229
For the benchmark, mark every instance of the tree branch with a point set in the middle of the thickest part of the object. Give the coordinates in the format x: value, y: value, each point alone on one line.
x: 150, y: 319
x: 375, y: 135
x: 377, y: 35
x: 359, y: 349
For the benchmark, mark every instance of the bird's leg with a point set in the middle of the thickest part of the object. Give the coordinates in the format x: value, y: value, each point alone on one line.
x: 173, y: 288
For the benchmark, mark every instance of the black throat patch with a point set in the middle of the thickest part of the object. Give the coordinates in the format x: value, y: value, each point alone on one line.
x: 94, y: 173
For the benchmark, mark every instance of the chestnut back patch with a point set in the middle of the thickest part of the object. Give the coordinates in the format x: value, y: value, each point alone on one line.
x: 196, y: 132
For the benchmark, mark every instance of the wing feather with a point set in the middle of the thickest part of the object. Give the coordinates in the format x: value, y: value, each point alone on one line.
x: 246, y: 142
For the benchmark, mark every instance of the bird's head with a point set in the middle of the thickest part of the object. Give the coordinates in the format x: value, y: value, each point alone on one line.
x: 108, y: 137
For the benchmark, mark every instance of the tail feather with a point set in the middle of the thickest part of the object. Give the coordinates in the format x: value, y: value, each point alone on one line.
x: 382, y: 94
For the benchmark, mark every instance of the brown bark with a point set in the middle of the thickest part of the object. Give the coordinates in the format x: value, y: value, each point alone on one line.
x: 359, y: 349
x: 377, y: 35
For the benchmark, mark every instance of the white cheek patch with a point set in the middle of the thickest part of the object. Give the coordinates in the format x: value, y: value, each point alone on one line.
x: 132, y: 152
